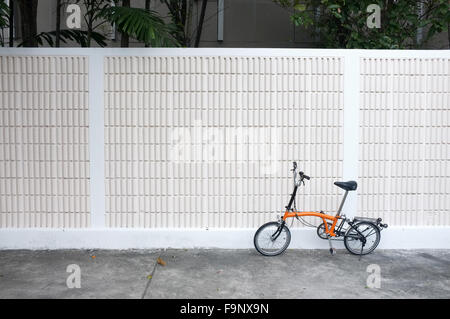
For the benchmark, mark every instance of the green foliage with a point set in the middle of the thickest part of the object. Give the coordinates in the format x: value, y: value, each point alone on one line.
x: 180, y: 12
x: 79, y: 36
x: 94, y: 9
x: 343, y: 23
x: 4, y: 15
x: 93, y: 17
x: 4, y: 20
x: 143, y: 25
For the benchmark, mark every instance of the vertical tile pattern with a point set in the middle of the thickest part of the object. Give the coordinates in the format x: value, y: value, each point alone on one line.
x: 436, y: 181
x: 295, y: 101
x: 404, y: 140
x: 44, y: 160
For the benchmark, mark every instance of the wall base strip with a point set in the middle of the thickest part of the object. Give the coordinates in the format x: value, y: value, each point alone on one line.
x: 392, y: 238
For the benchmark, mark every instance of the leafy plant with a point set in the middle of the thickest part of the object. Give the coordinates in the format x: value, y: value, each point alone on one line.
x: 180, y: 12
x: 93, y: 17
x: 4, y: 20
x: 186, y: 31
x: 343, y: 23
x: 4, y: 15
x: 143, y: 25
x: 78, y: 36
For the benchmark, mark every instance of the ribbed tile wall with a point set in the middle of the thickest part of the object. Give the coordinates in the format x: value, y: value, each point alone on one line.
x: 404, y: 140
x: 44, y: 160
x: 294, y: 104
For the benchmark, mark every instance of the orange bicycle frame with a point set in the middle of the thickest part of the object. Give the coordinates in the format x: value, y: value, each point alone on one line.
x: 291, y: 213
x: 328, y: 230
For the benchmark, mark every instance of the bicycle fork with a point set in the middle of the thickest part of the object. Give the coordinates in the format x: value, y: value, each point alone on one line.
x: 279, y: 230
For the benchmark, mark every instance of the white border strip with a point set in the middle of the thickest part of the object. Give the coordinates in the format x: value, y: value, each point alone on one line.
x: 96, y: 141
x: 227, y: 52
x: 391, y: 238
x: 351, y: 129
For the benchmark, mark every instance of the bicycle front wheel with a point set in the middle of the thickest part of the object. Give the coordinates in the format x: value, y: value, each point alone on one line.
x: 271, y: 239
x: 362, y: 238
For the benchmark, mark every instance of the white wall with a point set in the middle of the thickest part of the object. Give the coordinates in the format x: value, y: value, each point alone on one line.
x: 44, y: 158
x: 404, y: 134
x: 379, y: 117
x: 294, y: 104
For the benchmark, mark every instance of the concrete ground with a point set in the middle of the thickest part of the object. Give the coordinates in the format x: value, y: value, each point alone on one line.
x: 224, y: 274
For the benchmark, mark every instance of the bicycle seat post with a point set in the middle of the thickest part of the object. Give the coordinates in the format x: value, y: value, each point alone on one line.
x: 342, y: 204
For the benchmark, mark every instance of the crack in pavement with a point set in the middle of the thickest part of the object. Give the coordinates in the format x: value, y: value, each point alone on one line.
x: 151, y: 277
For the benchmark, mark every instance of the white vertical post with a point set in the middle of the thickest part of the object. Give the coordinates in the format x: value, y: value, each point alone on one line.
x: 96, y: 140
x: 351, y: 127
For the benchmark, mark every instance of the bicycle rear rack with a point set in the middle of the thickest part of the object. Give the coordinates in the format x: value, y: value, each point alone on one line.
x: 376, y: 221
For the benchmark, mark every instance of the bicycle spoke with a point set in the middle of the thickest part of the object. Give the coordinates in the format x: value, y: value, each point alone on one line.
x: 268, y: 243
x: 371, y: 233
x: 360, y: 239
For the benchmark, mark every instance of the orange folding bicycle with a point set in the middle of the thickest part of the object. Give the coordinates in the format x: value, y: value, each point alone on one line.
x: 360, y: 237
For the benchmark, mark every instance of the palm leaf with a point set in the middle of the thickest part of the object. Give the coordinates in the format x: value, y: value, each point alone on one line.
x: 78, y: 36
x: 4, y: 15
x: 140, y: 24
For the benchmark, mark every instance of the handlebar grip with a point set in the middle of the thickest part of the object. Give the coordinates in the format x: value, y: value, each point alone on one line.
x: 304, y: 176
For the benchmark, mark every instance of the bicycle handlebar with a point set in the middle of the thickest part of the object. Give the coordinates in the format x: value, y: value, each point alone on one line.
x: 302, y: 175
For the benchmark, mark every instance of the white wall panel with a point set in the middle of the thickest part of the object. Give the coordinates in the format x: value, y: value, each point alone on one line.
x: 404, y: 140
x: 155, y: 102
x: 44, y: 160
x: 296, y: 101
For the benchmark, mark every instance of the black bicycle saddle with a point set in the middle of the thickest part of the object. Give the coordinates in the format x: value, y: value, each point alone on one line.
x: 348, y: 186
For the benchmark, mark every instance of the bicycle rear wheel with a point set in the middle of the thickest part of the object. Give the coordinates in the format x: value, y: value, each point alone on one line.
x: 271, y: 239
x: 354, y: 238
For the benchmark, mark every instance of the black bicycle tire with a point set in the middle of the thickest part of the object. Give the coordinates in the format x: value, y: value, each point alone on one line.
x: 374, y: 246
x: 288, y: 240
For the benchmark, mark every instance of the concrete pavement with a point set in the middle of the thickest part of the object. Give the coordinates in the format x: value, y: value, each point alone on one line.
x: 223, y: 274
